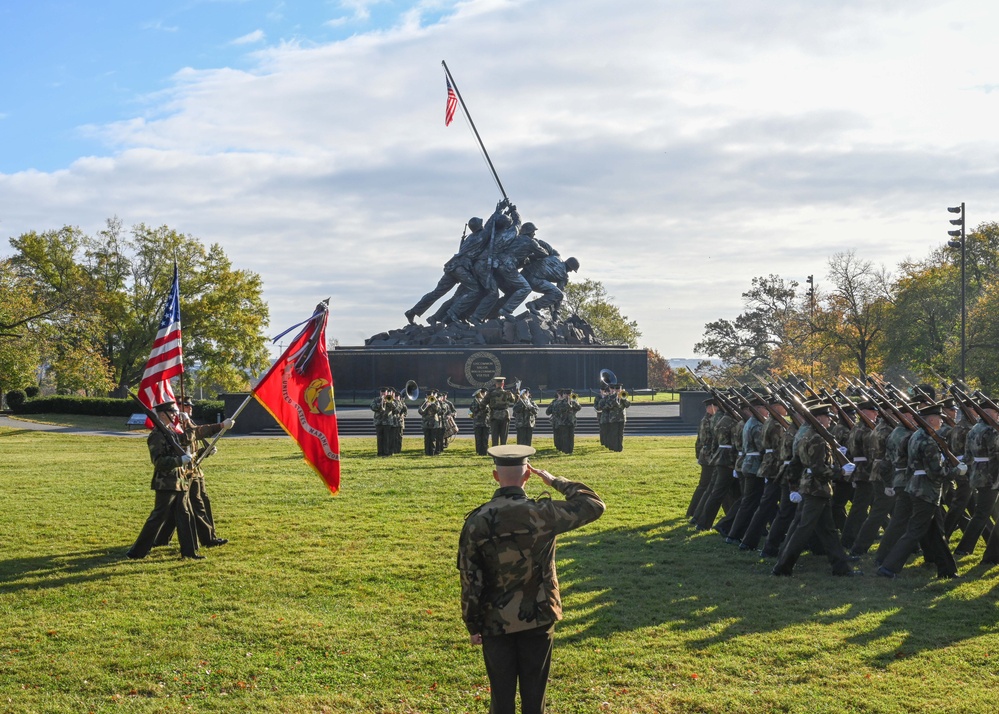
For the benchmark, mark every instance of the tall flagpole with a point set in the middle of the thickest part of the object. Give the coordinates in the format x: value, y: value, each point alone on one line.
x: 476, y: 131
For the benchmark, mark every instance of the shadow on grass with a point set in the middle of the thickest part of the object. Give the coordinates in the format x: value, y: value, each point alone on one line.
x: 55, y: 571
x: 664, y: 575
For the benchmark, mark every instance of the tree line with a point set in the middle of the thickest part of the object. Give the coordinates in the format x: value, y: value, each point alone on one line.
x: 867, y: 319
x: 78, y: 312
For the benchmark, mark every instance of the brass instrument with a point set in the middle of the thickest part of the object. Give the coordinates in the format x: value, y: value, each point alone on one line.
x: 607, y: 377
x: 411, y: 392
x: 573, y: 396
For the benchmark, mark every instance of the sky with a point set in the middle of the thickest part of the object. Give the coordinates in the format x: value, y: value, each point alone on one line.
x: 677, y: 148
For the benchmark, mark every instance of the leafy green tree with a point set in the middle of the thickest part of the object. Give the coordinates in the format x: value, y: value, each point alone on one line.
x: 114, y: 285
x: 589, y: 299
x: 20, y: 355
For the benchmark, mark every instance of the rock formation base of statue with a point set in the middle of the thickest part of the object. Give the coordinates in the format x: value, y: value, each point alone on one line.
x: 524, y: 329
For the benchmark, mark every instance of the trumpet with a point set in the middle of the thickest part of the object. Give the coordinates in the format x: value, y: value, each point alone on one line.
x: 573, y: 396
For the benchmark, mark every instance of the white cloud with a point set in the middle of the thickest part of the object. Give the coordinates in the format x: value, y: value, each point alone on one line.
x: 677, y: 149
x: 249, y: 38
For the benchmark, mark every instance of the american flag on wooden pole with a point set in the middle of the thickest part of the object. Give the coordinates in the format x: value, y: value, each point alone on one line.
x: 452, y: 103
x: 166, y: 360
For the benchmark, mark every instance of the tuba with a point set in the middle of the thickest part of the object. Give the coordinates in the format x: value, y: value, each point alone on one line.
x: 411, y: 392
x: 607, y: 377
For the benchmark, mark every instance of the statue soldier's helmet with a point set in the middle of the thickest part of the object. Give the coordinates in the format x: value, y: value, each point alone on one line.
x: 528, y: 229
x: 572, y: 264
x: 475, y: 224
x: 503, y: 221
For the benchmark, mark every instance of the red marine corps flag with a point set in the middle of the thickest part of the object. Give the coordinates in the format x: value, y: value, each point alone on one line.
x: 298, y: 392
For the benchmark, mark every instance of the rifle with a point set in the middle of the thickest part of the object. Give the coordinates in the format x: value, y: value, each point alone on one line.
x: 860, y: 412
x: 921, y: 423
x: 796, y: 418
x: 919, y: 391
x: 979, y: 409
x: 723, y: 401
x: 803, y: 383
x: 884, y: 412
x: 840, y: 411
x: 748, y: 403
x: 774, y: 414
x: 170, y: 436
x: 820, y: 430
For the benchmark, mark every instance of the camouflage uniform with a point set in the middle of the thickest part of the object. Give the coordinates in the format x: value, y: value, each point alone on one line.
x: 842, y: 488
x: 509, y: 588
x: 750, y: 484
x: 563, y: 415
x: 197, y: 496
x: 397, y: 424
x: 617, y: 415
x: 897, y: 453
x: 925, y: 487
x: 525, y: 414
x: 704, y: 447
x: 786, y: 509
x: 722, y: 463
x: 982, y: 457
x: 430, y: 416
x: 858, y: 445
x: 766, y: 509
x: 602, y: 414
x: 815, y: 511
x: 382, y: 408
x: 478, y: 412
x: 171, y: 482
x: 960, y: 496
x: 499, y: 401
x: 882, y: 503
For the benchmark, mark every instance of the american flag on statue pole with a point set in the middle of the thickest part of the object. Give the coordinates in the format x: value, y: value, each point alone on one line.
x: 452, y: 103
x: 166, y: 360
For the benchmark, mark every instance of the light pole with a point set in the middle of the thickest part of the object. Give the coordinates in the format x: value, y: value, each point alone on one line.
x: 962, y: 244
x: 811, y: 326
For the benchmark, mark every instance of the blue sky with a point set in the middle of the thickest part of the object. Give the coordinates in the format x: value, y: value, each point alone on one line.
x: 69, y: 65
x: 676, y: 148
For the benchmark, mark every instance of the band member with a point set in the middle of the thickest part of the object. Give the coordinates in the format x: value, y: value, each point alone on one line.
x: 525, y: 413
x: 616, y: 405
x: 499, y: 400
x: 478, y: 412
x: 562, y: 411
x: 383, y: 406
x: 430, y: 414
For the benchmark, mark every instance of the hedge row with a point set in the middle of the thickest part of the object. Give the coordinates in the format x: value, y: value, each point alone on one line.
x: 205, y: 410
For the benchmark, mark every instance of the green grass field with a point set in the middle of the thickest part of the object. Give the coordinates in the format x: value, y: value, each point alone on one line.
x: 351, y: 603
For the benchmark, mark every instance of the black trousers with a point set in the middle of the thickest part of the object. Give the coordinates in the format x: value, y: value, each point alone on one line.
x: 924, y: 528
x: 786, y: 511
x: 429, y: 441
x: 702, y: 486
x: 985, y: 501
x: 201, y: 513
x: 481, y: 439
x: 752, y: 492
x: 525, y: 434
x: 383, y: 439
x: 815, y: 519
x: 395, y: 447
x: 603, y: 433
x: 615, y: 436
x: 863, y: 497
x: 499, y: 431
x: 957, y: 506
x: 565, y: 438
x: 523, y: 657
x: 723, y: 492
x: 172, y: 505
x: 900, y: 516
x: 877, y: 518
x: 765, y: 512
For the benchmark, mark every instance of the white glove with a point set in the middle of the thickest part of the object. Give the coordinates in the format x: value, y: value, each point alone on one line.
x: 848, y: 469
x: 228, y: 424
x: 210, y: 451
x: 185, y: 459
x: 962, y: 469
x: 735, y: 474
x: 795, y: 497
x: 889, y: 492
x: 841, y: 449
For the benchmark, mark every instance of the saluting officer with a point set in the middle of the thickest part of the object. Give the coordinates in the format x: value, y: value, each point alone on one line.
x: 509, y: 589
